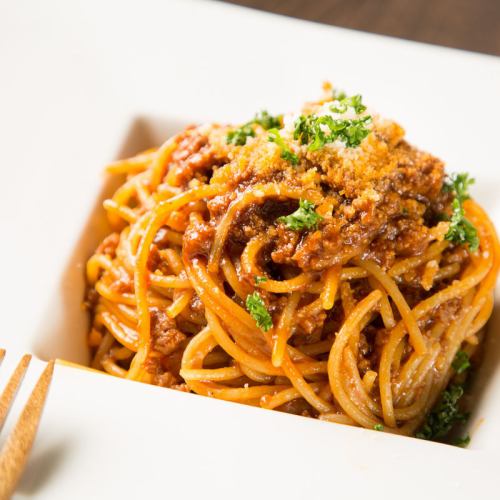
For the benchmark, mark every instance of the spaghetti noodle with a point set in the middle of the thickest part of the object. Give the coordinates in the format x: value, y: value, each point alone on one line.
x: 309, y: 269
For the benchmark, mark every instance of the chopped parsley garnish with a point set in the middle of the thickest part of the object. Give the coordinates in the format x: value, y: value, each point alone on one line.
x: 239, y: 136
x: 444, y: 415
x: 462, y: 442
x: 461, y: 362
x: 257, y: 309
x: 259, y: 279
x: 461, y: 230
x: 459, y: 185
x: 320, y: 130
x: 338, y: 95
x: 378, y: 427
x: 304, y: 217
x: 286, y: 154
x: 355, y: 102
x: 267, y: 121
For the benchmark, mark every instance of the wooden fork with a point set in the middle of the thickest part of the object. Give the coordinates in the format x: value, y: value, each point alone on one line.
x: 15, y: 452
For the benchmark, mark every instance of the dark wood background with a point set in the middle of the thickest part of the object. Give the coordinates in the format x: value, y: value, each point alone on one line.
x: 464, y: 24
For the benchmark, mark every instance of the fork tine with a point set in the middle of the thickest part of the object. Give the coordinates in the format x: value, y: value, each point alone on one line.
x: 15, y: 452
x: 10, y: 390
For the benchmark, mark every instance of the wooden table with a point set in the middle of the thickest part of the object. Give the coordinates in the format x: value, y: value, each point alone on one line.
x: 465, y: 24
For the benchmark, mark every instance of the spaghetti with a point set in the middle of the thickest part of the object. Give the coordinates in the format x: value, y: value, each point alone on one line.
x: 311, y: 269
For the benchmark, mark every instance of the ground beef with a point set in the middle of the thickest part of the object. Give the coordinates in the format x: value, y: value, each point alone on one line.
x: 285, y: 246
x: 194, y: 157
x: 165, y: 337
x: 197, y: 239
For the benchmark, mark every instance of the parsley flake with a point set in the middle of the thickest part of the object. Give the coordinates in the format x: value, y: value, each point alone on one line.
x: 355, y: 102
x: 378, y: 427
x: 461, y: 362
x: 444, y: 415
x: 304, y: 217
x: 459, y: 184
x: 257, y: 309
x: 461, y: 230
x: 286, y: 154
x: 239, y: 136
x: 320, y: 130
x: 462, y: 442
x: 338, y: 95
x: 267, y: 121
x: 259, y: 279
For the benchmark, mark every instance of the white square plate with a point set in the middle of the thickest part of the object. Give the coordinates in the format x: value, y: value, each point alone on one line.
x: 83, y: 83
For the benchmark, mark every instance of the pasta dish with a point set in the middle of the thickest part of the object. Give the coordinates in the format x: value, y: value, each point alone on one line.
x: 313, y: 263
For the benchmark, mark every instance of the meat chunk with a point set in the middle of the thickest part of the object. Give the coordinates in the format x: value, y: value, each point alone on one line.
x: 194, y: 157
x: 165, y: 338
x: 197, y: 239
